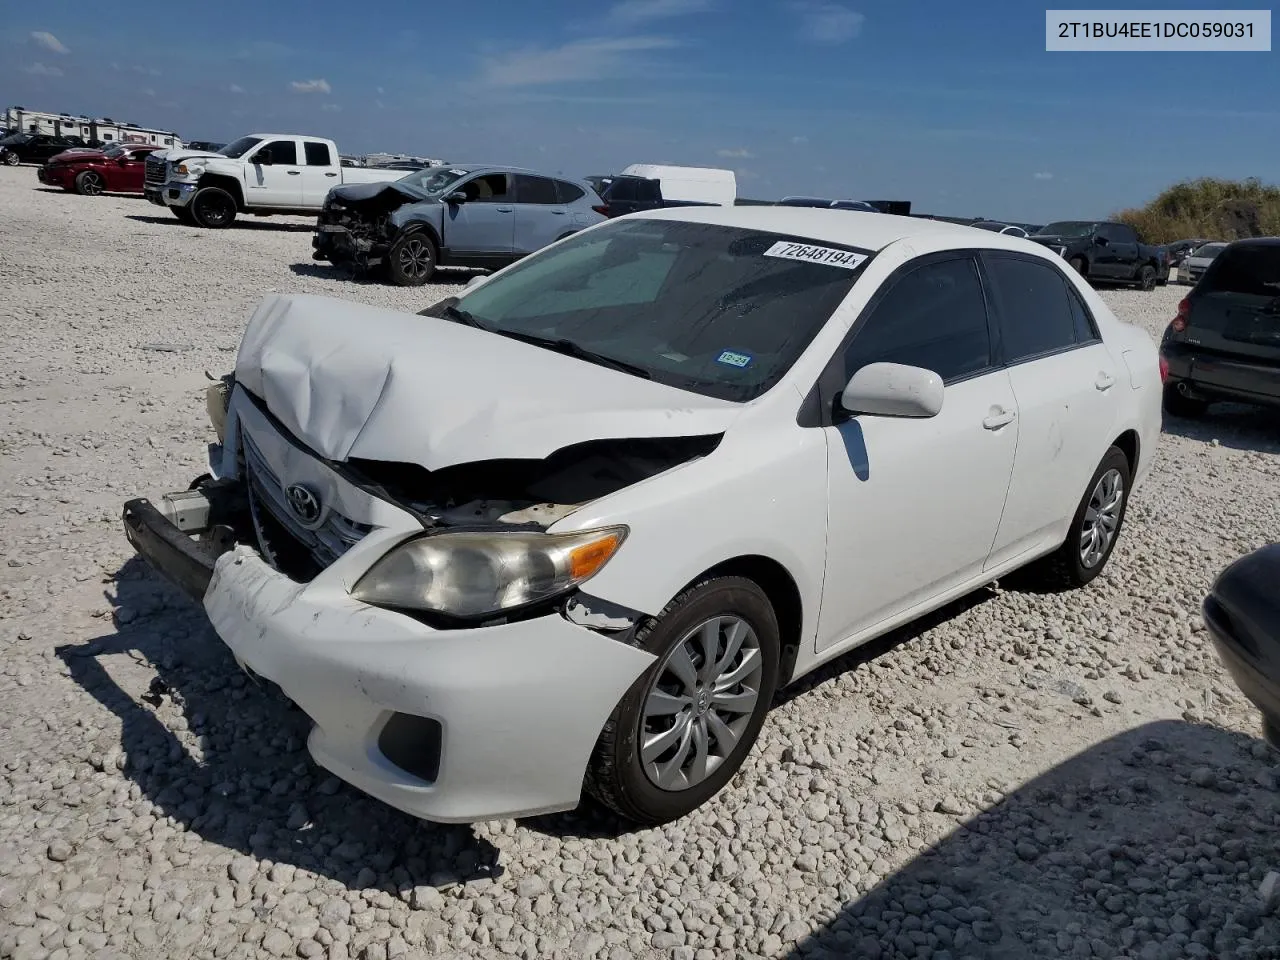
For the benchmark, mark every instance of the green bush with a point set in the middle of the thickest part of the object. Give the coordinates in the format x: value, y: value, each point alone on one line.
x: 1217, y: 209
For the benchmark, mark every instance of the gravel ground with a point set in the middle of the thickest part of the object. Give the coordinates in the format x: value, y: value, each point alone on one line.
x: 1023, y: 776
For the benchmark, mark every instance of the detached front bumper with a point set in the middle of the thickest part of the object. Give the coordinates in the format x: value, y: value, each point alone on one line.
x: 448, y: 725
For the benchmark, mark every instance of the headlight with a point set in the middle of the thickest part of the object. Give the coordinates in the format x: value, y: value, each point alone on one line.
x: 184, y: 169
x: 472, y: 574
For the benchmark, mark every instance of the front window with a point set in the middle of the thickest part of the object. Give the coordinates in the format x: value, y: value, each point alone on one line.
x: 434, y: 181
x: 238, y: 148
x: 1069, y: 228
x: 113, y: 151
x: 720, y: 311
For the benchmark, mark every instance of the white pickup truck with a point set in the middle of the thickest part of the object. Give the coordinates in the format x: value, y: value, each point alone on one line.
x: 262, y: 174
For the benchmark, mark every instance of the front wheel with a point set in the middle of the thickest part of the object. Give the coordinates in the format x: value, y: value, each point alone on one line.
x: 1147, y: 278
x: 89, y: 184
x: 686, y: 725
x: 411, y: 260
x: 213, y: 207
x: 1095, y: 527
x: 10, y: 158
x: 1078, y: 265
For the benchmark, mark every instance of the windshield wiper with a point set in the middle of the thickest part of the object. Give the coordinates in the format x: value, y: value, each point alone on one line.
x: 571, y: 349
x: 448, y: 309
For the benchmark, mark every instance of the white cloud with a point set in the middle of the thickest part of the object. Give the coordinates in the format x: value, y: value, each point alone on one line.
x: 310, y: 86
x: 641, y: 11
x: 235, y: 88
x: 381, y: 91
x: 330, y: 107
x: 40, y: 70
x: 827, y: 22
x: 740, y: 153
x: 147, y: 91
x: 1043, y: 175
x: 799, y: 139
x: 47, y: 40
x: 379, y: 104
x: 580, y: 60
x: 146, y: 71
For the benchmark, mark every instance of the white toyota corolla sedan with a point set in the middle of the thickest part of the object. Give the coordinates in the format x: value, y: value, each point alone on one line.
x: 577, y: 526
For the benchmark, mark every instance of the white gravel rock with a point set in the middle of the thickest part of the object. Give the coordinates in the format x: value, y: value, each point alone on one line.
x: 1025, y: 775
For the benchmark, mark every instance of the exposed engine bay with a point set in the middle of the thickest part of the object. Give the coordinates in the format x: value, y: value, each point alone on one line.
x: 357, y: 228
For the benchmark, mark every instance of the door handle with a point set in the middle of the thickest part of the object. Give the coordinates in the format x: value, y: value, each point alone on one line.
x: 331, y: 174
x: 998, y: 419
x: 293, y: 173
x: 1105, y: 381
x: 504, y: 209
x: 559, y: 213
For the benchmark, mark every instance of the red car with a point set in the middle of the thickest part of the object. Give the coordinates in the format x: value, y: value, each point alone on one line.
x: 117, y: 169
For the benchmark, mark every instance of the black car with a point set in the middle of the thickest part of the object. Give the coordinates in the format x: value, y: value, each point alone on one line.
x: 34, y: 147
x: 1224, y: 343
x: 629, y: 194
x: 1242, y: 615
x: 1179, y: 250
x: 1103, y: 250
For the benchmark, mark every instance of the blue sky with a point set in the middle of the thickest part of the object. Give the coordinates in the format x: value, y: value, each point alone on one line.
x: 954, y: 106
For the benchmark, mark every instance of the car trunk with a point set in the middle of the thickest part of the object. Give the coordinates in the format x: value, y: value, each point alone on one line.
x: 1236, y: 308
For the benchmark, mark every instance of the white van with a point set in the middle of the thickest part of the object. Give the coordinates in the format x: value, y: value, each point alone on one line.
x: 698, y: 184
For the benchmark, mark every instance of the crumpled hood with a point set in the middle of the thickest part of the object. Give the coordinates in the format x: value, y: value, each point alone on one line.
x: 356, y: 192
x: 175, y: 156
x: 352, y: 381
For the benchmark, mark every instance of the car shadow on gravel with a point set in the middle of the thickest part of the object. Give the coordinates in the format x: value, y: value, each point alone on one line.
x: 226, y: 758
x: 1154, y: 843
x: 321, y: 270
x: 1239, y: 426
x: 239, y: 224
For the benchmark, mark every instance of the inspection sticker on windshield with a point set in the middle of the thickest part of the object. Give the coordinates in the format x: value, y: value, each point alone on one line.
x: 738, y: 360
x: 807, y: 253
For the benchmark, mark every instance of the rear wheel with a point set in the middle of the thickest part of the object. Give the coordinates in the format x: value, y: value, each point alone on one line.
x: 411, y: 260
x: 213, y: 207
x: 686, y: 724
x: 90, y: 183
x: 1180, y: 405
x: 1095, y: 528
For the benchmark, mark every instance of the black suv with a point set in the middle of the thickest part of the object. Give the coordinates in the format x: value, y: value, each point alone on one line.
x: 1224, y: 344
x: 34, y: 147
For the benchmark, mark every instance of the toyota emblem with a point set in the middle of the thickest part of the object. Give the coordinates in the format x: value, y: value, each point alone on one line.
x: 303, y: 502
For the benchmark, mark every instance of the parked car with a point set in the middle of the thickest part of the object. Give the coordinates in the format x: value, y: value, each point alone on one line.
x: 1224, y: 343
x: 117, y: 169
x: 1179, y: 250
x: 262, y: 174
x: 598, y: 183
x: 34, y: 147
x: 1194, y: 266
x: 452, y: 216
x: 1104, y: 251
x: 1242, y: 615
x: 691, y: 184
x: 995, y: 226
x: 579, y: 524
x: 628, y: 194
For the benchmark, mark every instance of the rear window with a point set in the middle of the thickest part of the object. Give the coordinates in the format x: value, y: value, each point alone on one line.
x: 1253, y: 270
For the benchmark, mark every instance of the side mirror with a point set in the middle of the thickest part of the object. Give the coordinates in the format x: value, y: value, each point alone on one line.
x: 262, y: 159
x: 893, y: 390
x: 456, y: 197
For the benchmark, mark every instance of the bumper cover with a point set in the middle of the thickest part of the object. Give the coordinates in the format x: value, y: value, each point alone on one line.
x: 1212, y: 376
x: 1242, y: 614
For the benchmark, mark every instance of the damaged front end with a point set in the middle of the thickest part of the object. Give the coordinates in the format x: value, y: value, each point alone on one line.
x: 356, y: 224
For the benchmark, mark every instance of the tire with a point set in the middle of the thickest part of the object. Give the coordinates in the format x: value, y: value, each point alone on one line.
x: 1271, y: 730
x: 1179, y: 405
x: 213, y: 208
x: 1067, y: 568
x: 1147, y: 278
x: 618, y: 774
x: 11, y: 159
x: 411, y: 260
x: 184, y: 215
x: 90, y: 184
x: 1078, y: 265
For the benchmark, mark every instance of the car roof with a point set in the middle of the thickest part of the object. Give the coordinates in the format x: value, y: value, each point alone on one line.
x: 507, y: 168
x: 1252, y: 242
x: 870, y: 231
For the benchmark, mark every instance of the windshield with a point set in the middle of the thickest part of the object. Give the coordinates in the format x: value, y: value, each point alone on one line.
x: 238, y: 148
x: 1251, y: 269
x: 720, y: 311
x: 1068, y: 228
x: 114, y: 150
x: 16, y: 138
x: 1209, y: 250
x: 434, y: 181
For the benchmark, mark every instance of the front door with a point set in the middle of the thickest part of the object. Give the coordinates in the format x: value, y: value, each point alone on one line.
x: 277, y: 183
x: 484, y: 225
x: 913, y: 505
x: 130, y: 166
x: 1067, y: 386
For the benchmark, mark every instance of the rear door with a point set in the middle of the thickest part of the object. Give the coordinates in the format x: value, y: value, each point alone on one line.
x: 1125, y: 250
x: 319, y: 172
x: 1067, y: 386
x: 540, y: 215
x: 484, y: 226
x: 1235, y: 312
x: 277, y: 183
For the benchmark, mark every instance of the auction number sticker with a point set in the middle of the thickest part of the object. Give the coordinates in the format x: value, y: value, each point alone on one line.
x: 807, y: 253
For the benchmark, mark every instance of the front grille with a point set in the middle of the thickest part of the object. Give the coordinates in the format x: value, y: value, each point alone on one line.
x: 286, y: 543
x: 155, y: 170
